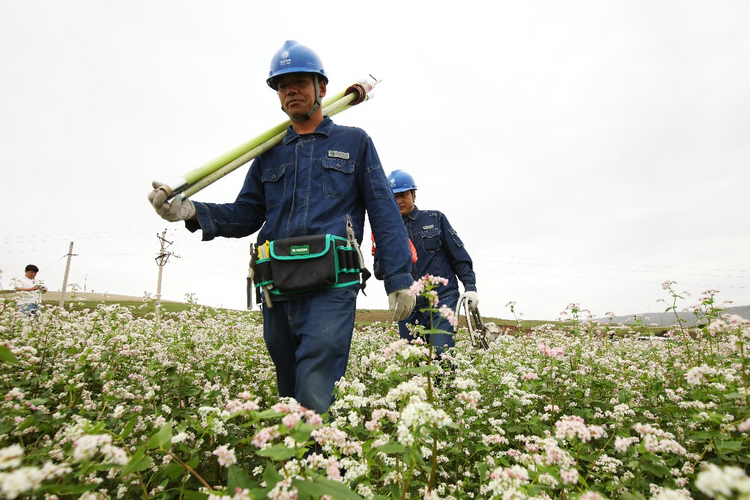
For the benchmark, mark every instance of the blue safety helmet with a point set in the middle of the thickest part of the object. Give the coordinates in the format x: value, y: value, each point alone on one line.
x: 401, y: 181
x: 293, y: 57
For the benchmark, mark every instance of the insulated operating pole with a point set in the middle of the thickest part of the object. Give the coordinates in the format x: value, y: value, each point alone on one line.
x: 199, y: 178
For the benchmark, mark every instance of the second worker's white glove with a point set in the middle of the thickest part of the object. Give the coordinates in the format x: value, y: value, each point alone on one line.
x: 402, y: 303
x: 473, y: 300
x: 180, y: 208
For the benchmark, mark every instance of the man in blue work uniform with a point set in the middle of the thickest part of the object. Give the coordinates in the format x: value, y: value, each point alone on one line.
x: 319, y: 176
x: 439, y: 252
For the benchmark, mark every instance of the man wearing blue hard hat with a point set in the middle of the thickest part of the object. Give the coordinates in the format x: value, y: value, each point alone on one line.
x: 307, y: 198
x: 439, y: 252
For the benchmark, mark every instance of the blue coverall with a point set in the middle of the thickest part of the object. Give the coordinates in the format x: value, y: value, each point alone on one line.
x: 307, y: 185
x: 440, y: 252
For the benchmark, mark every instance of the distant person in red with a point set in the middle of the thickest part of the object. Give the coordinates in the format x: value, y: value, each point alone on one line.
x: 30, y: 291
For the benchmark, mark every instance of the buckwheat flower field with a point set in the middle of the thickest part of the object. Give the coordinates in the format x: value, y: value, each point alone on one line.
x: 102, y: 403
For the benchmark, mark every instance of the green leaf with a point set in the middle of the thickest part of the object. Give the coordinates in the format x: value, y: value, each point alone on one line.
x: 271, y: 476
x: 238, y: 478
x: 536, y: 489
x: 163, y: 438
x: 322, y: 486
x: 128, y: 428
x: 194, y: 495
x: 63, y: 489
x: 734, y: 395
x: 420, y: 369
x: 173, y: 470
x: 302, y: 432
x: 137, y: 463
x: 655, y: 469
x: 7, y: 356
x: 589, y: 457
x: 392, y: 447
x: 628, y: 496
x: 430, y: 331
x: 729, y: 445
x: 395, y: 490
x: 268, y: 414
x: 277, y: 452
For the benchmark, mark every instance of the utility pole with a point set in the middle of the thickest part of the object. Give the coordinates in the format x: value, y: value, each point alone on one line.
x: 65, y: 279
x: 161, y: 261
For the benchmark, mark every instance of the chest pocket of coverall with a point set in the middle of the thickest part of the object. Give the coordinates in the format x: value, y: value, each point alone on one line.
x: 431, y: 240
x: 337, y: 177
x: 274, y: 185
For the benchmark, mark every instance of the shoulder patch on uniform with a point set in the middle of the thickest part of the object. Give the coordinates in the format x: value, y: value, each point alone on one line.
x: 338, y: 154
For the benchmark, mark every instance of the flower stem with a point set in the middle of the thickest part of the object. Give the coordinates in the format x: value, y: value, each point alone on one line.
x: 190, y: 469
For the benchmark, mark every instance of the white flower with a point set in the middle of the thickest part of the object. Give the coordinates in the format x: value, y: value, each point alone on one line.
x: 179, y: 438
x: 720, y: 483
x: 119, y: 411
x: 667, y: 494
x: 11, y: 456
x: 114, y: 455
x: 20, y: 480
x: 87, y: 445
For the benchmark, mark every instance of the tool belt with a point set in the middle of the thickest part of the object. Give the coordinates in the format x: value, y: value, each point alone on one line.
x: 305, y: 263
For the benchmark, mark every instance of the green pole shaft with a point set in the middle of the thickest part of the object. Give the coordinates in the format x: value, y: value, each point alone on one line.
x: 334, y: 108
x: 247, y: 150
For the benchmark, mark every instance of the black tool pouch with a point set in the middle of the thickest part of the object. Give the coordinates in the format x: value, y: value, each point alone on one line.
x: 307, y: 263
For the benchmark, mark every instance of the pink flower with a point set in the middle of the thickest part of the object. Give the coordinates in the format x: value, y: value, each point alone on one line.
x: 416, y: 288
x: 668, y: 284
x: 569, y: 476
x: 436, y: 280
x: 291, y: 419
x: 470, y: 398
x: 14, y: 393
x: 550, y: 351
x: 313, y: 418
x: 225, y: 455
x: 333, y: 472
x: 250, y: 406
x: 265, y: 435
x: 447, y: 313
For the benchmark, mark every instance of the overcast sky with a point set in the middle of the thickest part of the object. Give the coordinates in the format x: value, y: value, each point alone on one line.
x: 585, y: 151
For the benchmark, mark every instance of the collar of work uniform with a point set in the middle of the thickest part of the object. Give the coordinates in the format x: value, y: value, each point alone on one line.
x: 325, y: 128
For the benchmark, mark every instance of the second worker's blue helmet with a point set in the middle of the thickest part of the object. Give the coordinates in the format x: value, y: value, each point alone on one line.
x: 401, y: 181
x: 293, y: 57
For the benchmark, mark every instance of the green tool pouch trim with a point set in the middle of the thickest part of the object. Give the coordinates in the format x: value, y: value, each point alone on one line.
x: 307, y: 263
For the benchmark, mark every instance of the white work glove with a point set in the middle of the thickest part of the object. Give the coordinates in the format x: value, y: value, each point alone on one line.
x: 402, y: 303
x: 472, y: 300
x: 180, y: 208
